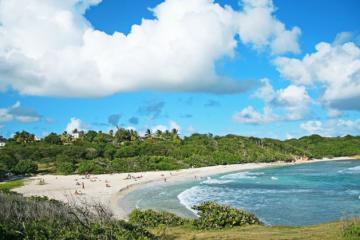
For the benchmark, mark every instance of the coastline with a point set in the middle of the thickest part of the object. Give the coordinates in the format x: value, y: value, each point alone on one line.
x: 110, y: 189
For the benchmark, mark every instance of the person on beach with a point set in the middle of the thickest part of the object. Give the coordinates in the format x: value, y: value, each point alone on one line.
x: 83, y: 185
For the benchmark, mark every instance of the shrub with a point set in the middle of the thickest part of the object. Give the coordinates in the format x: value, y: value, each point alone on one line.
x: 213, y: 215
x: 40, y: 218
x: 65, y: 167
x: 151, y: 218
x: 25, y: 167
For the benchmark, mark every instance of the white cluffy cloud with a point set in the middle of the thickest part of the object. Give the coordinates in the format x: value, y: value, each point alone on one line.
x: 339, y: 127
x: 49, y: 48
x: 18, y: 113
x: 257, y: 26
x: 75, y: 123
x: 250, y: 116
x: 293, y: 100
x: 336, y: 67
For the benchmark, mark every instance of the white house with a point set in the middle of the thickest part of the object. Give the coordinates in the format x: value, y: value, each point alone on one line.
x: 2, y: 144
x: 76, y: 135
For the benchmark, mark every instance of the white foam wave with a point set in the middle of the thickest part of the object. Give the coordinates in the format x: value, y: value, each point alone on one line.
x: 274, y: 178
x: 190, y: 197
x: 351, y: 170
x: 242, y: 175
x: 216, y: 181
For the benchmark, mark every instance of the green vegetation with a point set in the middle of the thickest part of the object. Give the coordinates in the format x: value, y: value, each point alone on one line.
x: 7, y: 186
x: 213, y: 215
x: 41, y: 219
x: 126, y: 151
x: 328, y: 231
x: 151, y: 218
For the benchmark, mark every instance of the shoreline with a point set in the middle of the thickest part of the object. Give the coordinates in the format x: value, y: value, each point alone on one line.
x: 110, y: 189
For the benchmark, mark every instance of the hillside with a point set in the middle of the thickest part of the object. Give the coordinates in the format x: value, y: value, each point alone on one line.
x: 126, y: 151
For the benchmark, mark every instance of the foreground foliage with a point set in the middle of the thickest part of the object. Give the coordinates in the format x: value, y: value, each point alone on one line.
x: 213, y: 215
x: 151, y: 218
x: 40, y: 218
x: 126, y: 151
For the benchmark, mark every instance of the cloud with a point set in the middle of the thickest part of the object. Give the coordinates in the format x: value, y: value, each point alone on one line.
x: 250, y: 116
x: 74, y: 123
x: 18, y: 113
x: 339, y: 127
x: 212, y: 103
x: 293, y: 101
x: 114, y: 119
x: 175, y: 51
x: 134, y: 120
x: 258, y: 26
x: 171, y: 125
x: 152, y: 109
x: 336, y: 68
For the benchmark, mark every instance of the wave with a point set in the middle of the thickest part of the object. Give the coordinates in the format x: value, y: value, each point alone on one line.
x: 242, y: 175
x: 274, y: 178
x: 355, y: 169
x: 215, y: 181
x: 190, y: 197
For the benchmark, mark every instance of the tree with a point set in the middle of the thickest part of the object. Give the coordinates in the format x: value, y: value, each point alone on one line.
x: 148, y: 133
x: 53, y: 138
x: 25, y: 167
x: 122, y: 135
x: 158, y: 133
x: 24, y: 137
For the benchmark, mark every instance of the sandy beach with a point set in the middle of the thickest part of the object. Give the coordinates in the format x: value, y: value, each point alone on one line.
x: 108, y: 189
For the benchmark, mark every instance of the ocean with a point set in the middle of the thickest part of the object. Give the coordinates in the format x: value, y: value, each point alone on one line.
x: 298, y: 195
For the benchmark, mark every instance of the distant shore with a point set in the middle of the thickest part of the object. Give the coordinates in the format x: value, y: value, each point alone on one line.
x: 109, y: 189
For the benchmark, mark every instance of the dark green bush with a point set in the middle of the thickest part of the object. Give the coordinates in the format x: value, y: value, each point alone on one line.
x: 151, y: 218
x: 65, y: 168
x: 213, y: 215
x: 25, y: 167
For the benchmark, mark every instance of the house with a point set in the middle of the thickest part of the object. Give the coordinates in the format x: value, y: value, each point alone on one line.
x: 76, y: 135
x: 2, y: 144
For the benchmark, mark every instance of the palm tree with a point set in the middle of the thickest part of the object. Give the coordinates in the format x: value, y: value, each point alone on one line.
x: 158, y: 133
x: 148, y: 133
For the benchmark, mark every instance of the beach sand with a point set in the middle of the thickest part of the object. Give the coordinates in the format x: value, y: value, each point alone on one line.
x: 108, y: 189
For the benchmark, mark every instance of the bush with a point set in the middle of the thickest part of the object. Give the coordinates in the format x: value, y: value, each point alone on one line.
x: 65, y: 168
x: 41, y: 219
x: 151, y: 218
x: 25, y: 167
x: 213, y: 215
x: 96, y: 166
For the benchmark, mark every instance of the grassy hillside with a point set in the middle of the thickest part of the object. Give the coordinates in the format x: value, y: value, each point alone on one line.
x: 328, y: 231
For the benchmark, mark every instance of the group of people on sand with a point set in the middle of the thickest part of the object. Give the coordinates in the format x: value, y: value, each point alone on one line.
x: 82, y: 184
x: 129, y: 176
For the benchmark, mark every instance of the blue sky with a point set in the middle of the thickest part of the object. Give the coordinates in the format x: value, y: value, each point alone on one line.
x: 275, y: 69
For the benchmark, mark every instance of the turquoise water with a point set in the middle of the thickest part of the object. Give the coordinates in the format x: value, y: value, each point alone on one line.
x: 292, y: 195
